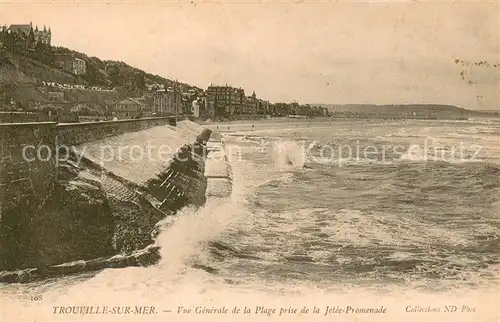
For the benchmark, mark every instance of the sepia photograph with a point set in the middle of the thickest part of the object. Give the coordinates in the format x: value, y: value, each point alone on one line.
x: 249, y: 161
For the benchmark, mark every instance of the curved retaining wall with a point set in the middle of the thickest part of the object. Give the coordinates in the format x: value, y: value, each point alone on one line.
x: 78, y: 133
x: 95, y: 219
x: 117, y: 232
x: 25, y: 183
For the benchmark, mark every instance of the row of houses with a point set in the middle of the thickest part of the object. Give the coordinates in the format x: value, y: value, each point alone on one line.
x: 228, y: 100
x: 158, y: 100
x: 216, y: 101
x: 164, y: 104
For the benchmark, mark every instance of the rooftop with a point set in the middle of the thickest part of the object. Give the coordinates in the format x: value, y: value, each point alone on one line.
x: 23, y: 28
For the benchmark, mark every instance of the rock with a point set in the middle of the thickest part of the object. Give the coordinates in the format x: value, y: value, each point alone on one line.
x: 207, y: 269
x: 161, y: 225
x: 83, y: 218
x: 75, y: 223
x: 67, y: 172
x: 155, y: 232
x: 20, y: 276
x: 134, y: 222
x: 132, y: 260
x: 117, y: 261
x: 63, y: 269
x: 149, y: 256
x: 28, y: 275
x: 72, y: 267
x: 8, y: 277
x: 96, y: 264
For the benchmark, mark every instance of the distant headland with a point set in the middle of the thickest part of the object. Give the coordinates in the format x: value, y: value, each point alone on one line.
x: 419, y: 111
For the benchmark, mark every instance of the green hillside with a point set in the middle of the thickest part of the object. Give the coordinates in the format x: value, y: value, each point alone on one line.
x: 24, y: 75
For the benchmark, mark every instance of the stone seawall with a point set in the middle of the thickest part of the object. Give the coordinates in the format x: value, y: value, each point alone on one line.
x: 218, y: 170
x: 78, y: 133
x: 95, y: 219
x: 26, y: 180
x: 29, y: 170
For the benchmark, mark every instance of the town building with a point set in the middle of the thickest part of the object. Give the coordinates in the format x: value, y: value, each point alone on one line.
x: 186, y: 104
x: 128, y: 108
x: 209, y: 108
x: 228, y: 100
x: 187, y: 101
x: 167, y: 101
x: 195, y: 107
x: 263, y: 107
x: 251, y: 104
x: 147, y: 105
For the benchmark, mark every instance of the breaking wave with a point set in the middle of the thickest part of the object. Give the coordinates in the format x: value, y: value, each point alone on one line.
x: 289, y: 154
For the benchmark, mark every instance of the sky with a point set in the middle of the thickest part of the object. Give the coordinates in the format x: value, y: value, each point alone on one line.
x: 311, y: 52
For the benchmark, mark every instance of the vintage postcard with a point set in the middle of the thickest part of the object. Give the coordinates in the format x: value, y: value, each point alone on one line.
x: 249, y: 161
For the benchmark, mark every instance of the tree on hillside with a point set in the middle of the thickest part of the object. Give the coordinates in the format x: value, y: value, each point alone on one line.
x: 93, y: 74
x: 113, y: 72
x: 140, y: 83
x: 31, y: 36
x: 3, y: 34
x: 99, y: 63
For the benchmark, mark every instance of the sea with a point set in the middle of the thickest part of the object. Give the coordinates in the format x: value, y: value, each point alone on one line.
x: 402, y: 215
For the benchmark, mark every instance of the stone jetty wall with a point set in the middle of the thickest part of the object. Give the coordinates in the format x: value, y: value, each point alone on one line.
x: 218, y: 170
x: 27, y: 177
x: 78, y: 133
x: 28, y: 158
x: 94, y: 219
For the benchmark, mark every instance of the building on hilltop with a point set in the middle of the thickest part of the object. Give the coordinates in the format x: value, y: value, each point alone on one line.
x: 20, y: 29
x: 71, y: 64
x: 44, y: 36
x: 79, y: 66
x: 33, y: 36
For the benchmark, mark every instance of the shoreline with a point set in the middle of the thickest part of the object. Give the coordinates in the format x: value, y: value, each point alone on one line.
x: 285, y: 120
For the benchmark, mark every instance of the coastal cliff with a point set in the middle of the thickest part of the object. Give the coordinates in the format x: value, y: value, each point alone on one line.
x: 96, y: 218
